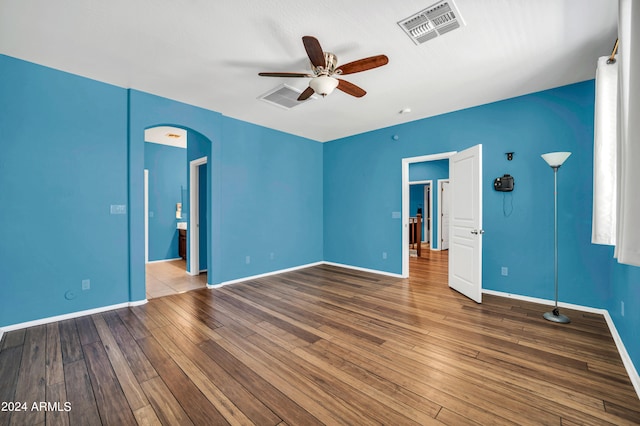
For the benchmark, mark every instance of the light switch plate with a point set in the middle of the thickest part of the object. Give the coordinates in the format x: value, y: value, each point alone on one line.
x: 118, y: 209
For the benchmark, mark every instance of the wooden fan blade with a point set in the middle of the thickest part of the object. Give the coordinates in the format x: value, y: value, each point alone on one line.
x: 364, y: 64
x: 284, y: 74
x: 306, y: 94
x: 351, y: 88
x: 314, y: 51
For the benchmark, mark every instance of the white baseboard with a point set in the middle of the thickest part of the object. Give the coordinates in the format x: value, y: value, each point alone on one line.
x: 253, y: 277
x: 622, y: 350
x: 70, y: 315
x: 210, y: 286
x: 357, y: 268
x: 164, y: 260
x: 545, y: 301
x: 280, y: 271
x: 626, y: 359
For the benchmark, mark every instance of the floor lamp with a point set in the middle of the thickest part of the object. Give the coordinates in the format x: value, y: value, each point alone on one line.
x: 555, y: 160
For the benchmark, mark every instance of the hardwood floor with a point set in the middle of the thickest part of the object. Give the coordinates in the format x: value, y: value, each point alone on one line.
x: 321, y: 345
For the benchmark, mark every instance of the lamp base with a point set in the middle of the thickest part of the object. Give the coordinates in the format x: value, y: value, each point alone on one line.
x: 556, y: 316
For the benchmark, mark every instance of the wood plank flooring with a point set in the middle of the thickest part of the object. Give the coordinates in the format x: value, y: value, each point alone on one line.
x: 321, y: 345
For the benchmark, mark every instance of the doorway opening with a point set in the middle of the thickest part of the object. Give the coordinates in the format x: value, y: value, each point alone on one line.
x: 420, y: 203
x: 174, y: 201
x: 406, y: 205
x: 464, y: 261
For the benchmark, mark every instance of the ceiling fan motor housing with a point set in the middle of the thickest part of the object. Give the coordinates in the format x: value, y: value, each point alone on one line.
x: 331, y: 61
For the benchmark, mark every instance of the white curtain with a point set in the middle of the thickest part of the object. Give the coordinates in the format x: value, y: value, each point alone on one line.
x: 604, y: 153
x: 628, y: 227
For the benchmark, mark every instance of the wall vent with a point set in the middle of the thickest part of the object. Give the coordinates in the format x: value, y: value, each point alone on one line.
x: 284, y: 96
x: 434, y: 21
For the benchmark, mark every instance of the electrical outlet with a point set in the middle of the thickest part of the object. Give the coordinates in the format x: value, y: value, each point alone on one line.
x: 86, y: 284
x: 272, y: 256
x: 247, y: 260
x: 505, y: 271
x: 622, y: 307
x: 384, y: 254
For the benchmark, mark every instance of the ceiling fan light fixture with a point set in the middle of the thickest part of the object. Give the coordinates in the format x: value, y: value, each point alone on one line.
x: 323, y: 85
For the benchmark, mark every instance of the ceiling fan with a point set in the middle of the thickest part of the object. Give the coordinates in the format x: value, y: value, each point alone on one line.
x: 324, y: 66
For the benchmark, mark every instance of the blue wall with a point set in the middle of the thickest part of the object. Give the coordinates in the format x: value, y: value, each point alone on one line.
x: 626, y: 289
x: 145, y: 111
x: 518, y: 225
x: 199, y: 146
x: 73, y: 147
x: 167, y: 167
x: 63, y: 163
x: 264, y: 205
x: 428, y: 170
x: 272, y: 200
x: 558, y: 119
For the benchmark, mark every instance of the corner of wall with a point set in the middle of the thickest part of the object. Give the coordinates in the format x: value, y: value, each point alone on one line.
x: 622, y: 350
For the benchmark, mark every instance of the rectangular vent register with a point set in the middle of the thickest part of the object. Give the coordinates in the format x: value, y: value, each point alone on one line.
x: 436, y: 20
x: 284, y: 96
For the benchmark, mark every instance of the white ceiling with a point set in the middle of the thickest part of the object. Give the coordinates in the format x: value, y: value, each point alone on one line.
x: 166, y: 135
x: 209, y: 52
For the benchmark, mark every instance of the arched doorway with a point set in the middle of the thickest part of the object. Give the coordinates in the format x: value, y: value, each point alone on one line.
x: 149, y: 111
x: 175, y: 214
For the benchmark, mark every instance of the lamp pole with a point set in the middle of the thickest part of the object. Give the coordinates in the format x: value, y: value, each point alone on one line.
x: 555, y: 160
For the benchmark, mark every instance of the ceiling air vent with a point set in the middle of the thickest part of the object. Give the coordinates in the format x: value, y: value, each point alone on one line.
x: 284, y: 96
x: 436, y: 20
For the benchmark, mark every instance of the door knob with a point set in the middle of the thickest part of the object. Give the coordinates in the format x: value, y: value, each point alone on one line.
x: 476, y: 232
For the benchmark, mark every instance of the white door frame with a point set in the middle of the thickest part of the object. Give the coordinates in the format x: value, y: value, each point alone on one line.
x: 439, y: 213
x: 146, y: 216
x: 428, y: 201
x: 405, y: 201
x: 194, y: 215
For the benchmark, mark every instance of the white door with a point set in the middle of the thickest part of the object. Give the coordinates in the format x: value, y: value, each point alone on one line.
x: 443, y: 206
x: 465, y: 198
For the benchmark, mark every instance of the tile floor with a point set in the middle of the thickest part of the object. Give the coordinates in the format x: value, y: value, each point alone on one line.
x: 166, y: 278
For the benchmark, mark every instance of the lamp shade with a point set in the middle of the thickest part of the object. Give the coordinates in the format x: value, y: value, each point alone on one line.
x: 555, y: 159
x: 323, y: 85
